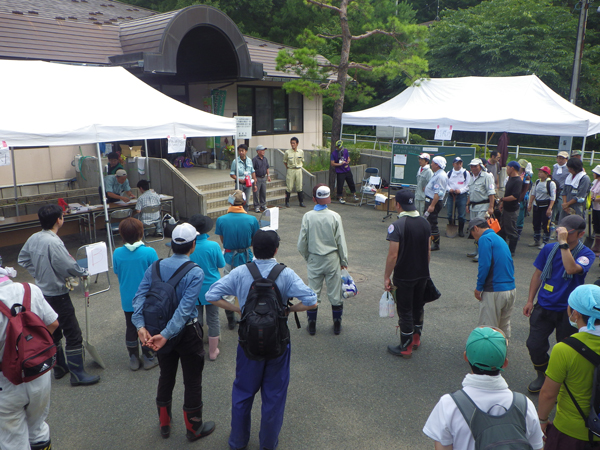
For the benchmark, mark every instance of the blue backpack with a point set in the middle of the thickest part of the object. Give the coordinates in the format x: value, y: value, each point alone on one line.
x: 162, y: 301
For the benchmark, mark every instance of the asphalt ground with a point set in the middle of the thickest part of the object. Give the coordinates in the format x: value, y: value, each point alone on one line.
x: 346, y: 391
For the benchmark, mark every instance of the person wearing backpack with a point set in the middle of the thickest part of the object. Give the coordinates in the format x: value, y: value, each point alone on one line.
x: 24, y: 407
x: 497, y: 415
x: 46, y: 258
x: 577, y: 186
x: 542, y: 198
x: 595, y: 194
x: 270, y: 376
x: 165, y: 315
x: 571, y: 378
x: 458, y: 189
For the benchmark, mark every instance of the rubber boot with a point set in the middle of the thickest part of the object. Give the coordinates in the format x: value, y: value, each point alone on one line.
x: 405, y: 348
x: 213, y: 347
x: 461, y: 228
x: 435, y: 243
x: 61, y: 368
x: 311, y: 315
x: 134, y: 354
x: 512, y: 245
x: 79, y: 377
x: 287, y: 199
x: 418, y: 329
x: 164, y: 417
x: 196, y: 429
x: 336, y: 312
x: 519, y: 231
x: 536, y: 385
x: 230, y: 319
x: 301, y: 199
x: 46, y: 445
x: 149, y: 358
x: 596, y: 247
x: 475, y: 253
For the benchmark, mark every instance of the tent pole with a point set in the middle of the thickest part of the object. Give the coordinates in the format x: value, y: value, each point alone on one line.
x: 106, y: 219
x: 485, y: 148
x: 12, y: 155
x: 237, y: 170
x: 147, y: 160
x: 583, y: 149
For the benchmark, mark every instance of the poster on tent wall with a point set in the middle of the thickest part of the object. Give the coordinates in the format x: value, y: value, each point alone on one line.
x: 176, y: 144
x: 4, y: 154
x: 443, y: 133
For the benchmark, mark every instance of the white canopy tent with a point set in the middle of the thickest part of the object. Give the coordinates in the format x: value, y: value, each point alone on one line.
x: 50, y: 104
x: 520, y: 104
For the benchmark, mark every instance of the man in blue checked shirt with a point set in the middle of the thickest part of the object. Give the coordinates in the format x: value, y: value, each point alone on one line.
x: 240, y: 169
x: 434, y: 198
x: 183, y: 325
x: 272, y: 376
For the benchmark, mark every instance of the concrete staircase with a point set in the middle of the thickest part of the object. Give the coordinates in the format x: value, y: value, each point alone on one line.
x: 216, y: 196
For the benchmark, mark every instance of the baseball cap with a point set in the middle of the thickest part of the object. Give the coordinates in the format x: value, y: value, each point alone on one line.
x: 458, y: 159
x: 573, y: 222
x: 236, y: 198
x: 477, y: 221
x: 425, y: 156
x: 339, y: 143
x: 476, y: 162
x: 184, y: 233
x: 406, y: 199
x: 121, y: 173
x: 563, y: 155
x: 576, y: 153
x: 260, y: 147
x: 546, y: 169
x: 322, y: 194
x: 514, y: 165
x: 486, y: 349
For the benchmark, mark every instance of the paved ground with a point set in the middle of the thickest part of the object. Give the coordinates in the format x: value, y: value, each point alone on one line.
x: 346, y: 391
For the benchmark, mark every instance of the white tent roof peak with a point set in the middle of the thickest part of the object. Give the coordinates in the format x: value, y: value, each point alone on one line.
x: 521, y: 104
x: 59, y: 104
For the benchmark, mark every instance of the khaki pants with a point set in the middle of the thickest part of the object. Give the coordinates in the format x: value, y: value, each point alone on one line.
x: 325, y: 268
x: 495, y: 309
x: 293, y: 180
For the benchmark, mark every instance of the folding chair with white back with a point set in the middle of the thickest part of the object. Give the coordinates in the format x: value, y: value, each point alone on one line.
x: 370, y: 183
x: 152, y: 224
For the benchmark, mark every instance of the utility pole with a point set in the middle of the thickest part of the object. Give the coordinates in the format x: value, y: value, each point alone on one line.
x: 583, y: 14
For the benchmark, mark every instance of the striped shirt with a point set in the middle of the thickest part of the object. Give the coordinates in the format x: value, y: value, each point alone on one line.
x: 148, y: 198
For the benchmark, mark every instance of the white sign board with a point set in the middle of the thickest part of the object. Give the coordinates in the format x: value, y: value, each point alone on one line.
x: 4, y: 154
x: 273, y: 213
x: 391, y: 132
x: 97, y: 258
x: 243, y: 126
x: 176, y: 144
x: 443, y: 133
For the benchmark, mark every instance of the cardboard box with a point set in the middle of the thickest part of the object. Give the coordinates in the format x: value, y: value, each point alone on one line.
x: 382, y: 206
x: 131, y: 152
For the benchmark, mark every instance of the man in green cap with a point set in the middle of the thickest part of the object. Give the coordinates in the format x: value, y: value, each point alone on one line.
x: 487, y: 390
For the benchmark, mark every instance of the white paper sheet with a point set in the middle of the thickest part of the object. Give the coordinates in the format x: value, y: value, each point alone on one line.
x: 97, y: 258
x: 176, y: 144
x: 399, y: 159
x: 273, y: 214
x: 399, y: 172
x: 4, y: 154
x: 443, y: 133
x: 375, y: 181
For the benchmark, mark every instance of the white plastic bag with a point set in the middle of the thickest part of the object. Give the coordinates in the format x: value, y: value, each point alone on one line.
x: 348, y: 285
x: 391, y: 306
x: 387, y: 306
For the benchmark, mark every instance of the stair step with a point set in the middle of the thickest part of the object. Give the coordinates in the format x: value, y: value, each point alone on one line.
x: 210, y: 194
x: 221, y: 200
x: 217, y: 211
x: 228, y: 185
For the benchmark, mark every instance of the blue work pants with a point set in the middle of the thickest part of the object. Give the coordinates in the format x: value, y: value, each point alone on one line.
x: 461, y: 205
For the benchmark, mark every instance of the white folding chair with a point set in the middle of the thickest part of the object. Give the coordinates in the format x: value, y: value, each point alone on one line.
x: 154, y: 224
x: 370, y: 179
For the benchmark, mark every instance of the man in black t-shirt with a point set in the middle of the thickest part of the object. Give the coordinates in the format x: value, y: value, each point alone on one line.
x: 509, y: 204
x: 408, y: 257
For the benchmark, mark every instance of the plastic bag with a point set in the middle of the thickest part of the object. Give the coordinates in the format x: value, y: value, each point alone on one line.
x: 348, y: 285
x: 387, y: 306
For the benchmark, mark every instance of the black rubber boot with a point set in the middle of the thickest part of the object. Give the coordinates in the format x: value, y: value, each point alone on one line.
x: 461, y: 228
x: 536, y: 385
x: 230, y: 319
x: 287, y: 199
x: 46, y: 445
x: 301, y: 199
x: 512, y: 245
x: 405, y: 348
x: 164, y: 417
x: 134, y: 354
x: 336, y: 312
x: 311, y: 315
x: 196, y: 429
x: 79, y: 377
x: 61, y: 368
x: 435, y: 243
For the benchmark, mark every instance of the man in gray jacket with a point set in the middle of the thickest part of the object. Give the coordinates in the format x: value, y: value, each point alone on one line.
x: 47, y: 259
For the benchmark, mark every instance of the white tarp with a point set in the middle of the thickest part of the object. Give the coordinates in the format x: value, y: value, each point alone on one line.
x: 513, y: 104
x: 49, y: 104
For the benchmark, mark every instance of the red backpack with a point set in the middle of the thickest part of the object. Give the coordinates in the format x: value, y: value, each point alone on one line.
x: 29, y: 351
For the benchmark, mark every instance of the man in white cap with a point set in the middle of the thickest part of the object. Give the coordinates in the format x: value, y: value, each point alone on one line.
x: 322, y: 244
x: 569, y: 367
x: 424, y: 174
x: 117, y: 187
x: 181, y: 337
x: 458, y: 188
x: 434, y: 196
x: 482, y: 195
x: 261, y: 172
x: 560, y: 172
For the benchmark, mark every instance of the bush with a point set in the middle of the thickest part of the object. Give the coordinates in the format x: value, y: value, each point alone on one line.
x: 354, y: 154
x: 319, y: 161
x: 417, y: 139
x: 327, y: 123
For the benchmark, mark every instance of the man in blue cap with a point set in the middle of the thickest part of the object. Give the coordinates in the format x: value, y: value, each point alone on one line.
x: 509, y: 204
x: 569, y: 368
x: 486, y: 388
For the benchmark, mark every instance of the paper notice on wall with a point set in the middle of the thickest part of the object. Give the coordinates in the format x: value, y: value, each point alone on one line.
x: 443, y: 133
x: 399, y: 172
x: 272, y: 222
x: 97, y: 258
x: 4, y: 154
x: 400, y: 159
x: 176, y: 144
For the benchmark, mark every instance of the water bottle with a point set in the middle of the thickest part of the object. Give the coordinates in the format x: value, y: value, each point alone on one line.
x: 426, y: 214
x: 552, y: 231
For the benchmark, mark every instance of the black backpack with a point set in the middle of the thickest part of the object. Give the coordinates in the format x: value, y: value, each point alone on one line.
x: 592, y: 421
x: 263, y: 331
x: 505, y: 432
x: 162, y: 301
x: 558, y: 189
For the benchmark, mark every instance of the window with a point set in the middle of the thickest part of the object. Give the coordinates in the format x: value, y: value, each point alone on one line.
x: 272, y: 110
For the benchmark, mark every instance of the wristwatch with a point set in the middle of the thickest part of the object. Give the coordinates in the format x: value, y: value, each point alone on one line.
x: 564, y: 246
